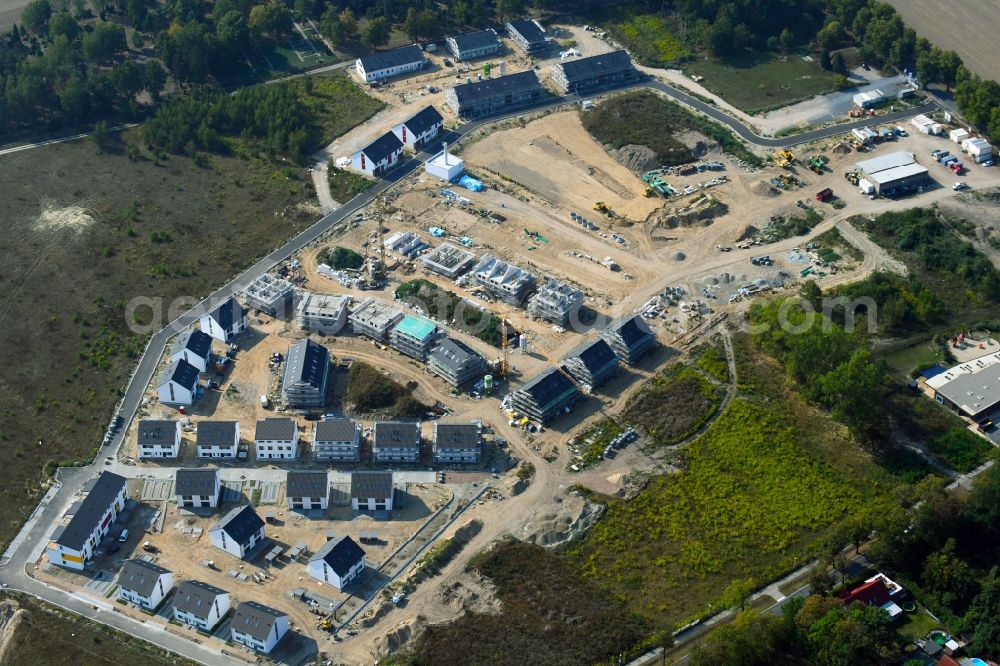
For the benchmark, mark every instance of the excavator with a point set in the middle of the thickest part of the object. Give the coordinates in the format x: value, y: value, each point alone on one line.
x: 784, y: 158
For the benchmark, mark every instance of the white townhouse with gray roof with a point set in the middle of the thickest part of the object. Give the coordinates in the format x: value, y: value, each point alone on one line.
x: 200, y: 605
x: 144, y: 584
x: 276, y: 439
x: 337, y: 440
x: 258, y: 627
x: 158, y: 438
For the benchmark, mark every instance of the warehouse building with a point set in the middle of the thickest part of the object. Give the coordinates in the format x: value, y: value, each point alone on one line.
x: 546, y: 396
x: 271, y: 295
x: 528, y: 35
x: 592, y: 364
x: 600, y: 72
x: 395, y: 62
x: 869, y: 99
x: 421, y: 128
x: 630, y: 338
x: 448, y: 260
x: 894, y: 174
x: 492, y: 96
x: 556, y: 302
x: 414, y: 336
x: 505, y: 281
x: 323, y: 313
x: 374, y: 318
x: 971, y: 389
x: 307, y: 371
x: 455, y: 362
x: 474, y: 45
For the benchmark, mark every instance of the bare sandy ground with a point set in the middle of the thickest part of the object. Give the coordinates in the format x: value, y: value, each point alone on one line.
x: 968, y: 27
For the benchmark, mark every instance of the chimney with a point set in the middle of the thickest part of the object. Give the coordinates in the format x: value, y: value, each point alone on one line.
x: 445, y: 145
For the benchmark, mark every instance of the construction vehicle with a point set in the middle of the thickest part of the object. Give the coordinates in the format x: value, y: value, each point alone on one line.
x: 855, y: 113
x: 649, y: 191
x: 824, y: 195
x: 852, y: 177
x: 817, y: 163
x: 784, y: 158
x: 602, y: 207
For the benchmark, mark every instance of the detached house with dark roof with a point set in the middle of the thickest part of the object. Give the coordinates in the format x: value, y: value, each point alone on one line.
x: 474, y: 45
x: 193, y: 346
x: 178, y: 384
x: 258, y: 627
x: 545, y: 396
x: 592, y: 364
x: 144, y: 584
x: 73, y: 544
x: 307, y: 490
x: 492, y: 96
x: 456, y: 362
x: 276, y: 439
x: 158, y: 438
x: 307, y: 371
x: 386, y: 64
x: 378, y: 157
x: 200, y: 605
x: 396, y: 441
x: 528, y: 35
x: 421, y: 128
x: 218, y: 439
x: 197, y: 488
x: 226, y: 321
x: 630, y: 338
x: 460, y: 443
x: 337, y: 439
x: 372, y: 491
x: 239, y: 531
x: 338, y: 563
x: 600, y: 72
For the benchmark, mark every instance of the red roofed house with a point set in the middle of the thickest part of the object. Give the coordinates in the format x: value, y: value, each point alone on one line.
x: 879, y: 590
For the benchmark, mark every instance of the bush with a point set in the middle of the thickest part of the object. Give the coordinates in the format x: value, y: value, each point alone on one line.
x: 443, y: 305
x: 341, y: 258
x: 369, y: 390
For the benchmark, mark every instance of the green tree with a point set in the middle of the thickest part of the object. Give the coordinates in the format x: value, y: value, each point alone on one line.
x: 101, y: 136
x: 983, y: 617
x: 509, y: 9
x: 270, y: 21
x: 376, y: 33
x: 786, y: 39
x: 36, y: 15
x: 829, y: 36
x: 738, y: 594
x: 232, y: 31
x: 851, y: 391
x: 949, y: 64
x: 950, y: 577
x: 154, y: 78
x: 349, y: 22
x: 305, y: 9
x: 332, y: 28
x: 63, y: 24
x: 811, y: 292
x: 105, y: 41
x: 128, y: 80
x: 74, y: 98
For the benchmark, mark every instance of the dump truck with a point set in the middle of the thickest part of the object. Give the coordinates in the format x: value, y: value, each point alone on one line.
x: 824, y: 195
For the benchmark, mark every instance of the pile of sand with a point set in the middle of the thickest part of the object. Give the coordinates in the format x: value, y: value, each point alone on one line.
x: 636, y: 158
x: 72, y: 218
x: 472, y: 593
x: 765, y: 189
x: 571, y: 517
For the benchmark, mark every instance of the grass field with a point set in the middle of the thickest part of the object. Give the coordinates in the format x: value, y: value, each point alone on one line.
x: 345, y: 185
x: 645, y: 118
x: 87, y: 233
x: 673, y: 405
x: 759, y: 489
x: 649, y: 39
x: 551, y: 615
x: 763, y: 80
x: 51, y: 636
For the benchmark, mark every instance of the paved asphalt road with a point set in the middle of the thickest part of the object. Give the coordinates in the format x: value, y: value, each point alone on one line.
x: 26, y: 551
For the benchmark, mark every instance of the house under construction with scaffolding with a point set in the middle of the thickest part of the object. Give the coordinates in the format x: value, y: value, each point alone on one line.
x: 269, y: 294
x: 556, y: 302
x: 448, y: 260
x: 505, y: 281
x: 374, y: 318
x: 592, y: 364
x: 546, y: 396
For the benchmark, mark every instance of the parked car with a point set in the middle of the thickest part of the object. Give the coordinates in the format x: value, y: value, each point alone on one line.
x: 960, y: 185
x: 123, y: 537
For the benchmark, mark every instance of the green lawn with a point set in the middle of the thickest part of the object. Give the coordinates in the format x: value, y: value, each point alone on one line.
x: 916, y: 624
x: 906, y: 359
x: 761, y: 81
